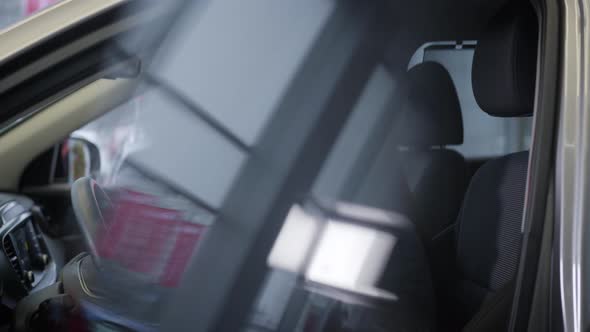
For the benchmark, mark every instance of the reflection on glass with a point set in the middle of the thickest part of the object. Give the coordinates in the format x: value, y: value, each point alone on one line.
x: 295, y: 241
x: 335, y: 252
x: 351, y: 257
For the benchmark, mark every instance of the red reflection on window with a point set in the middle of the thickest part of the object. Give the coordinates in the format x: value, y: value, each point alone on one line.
x: 149, y: 239
x: 33, y: 6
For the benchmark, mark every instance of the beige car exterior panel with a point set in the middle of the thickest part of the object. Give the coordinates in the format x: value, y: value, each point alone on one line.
x: 22, y: 144
x: 80, y: 45
x: 39, y: 27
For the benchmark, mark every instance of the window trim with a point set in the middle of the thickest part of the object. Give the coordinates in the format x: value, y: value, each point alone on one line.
x: 541, y: 170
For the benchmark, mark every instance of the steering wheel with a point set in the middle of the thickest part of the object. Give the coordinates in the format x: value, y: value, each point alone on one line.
x: 90, y: 203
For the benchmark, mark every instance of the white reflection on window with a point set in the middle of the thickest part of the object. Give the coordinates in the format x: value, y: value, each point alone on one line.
x: 339, y: 254
x: 294, y: 242
x: 350, y: 256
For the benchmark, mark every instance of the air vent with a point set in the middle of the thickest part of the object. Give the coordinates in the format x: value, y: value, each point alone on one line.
x: 12, y: 257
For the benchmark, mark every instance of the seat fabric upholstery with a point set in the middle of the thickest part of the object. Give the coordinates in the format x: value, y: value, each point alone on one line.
x: 488, y: 234
x: 429, y: 119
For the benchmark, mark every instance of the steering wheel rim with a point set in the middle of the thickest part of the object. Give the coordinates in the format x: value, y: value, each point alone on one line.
x: 85, y: 196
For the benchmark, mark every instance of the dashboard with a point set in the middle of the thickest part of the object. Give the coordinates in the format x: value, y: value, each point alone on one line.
x: 26, y: 262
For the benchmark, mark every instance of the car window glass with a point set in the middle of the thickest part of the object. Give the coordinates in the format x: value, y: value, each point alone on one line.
x: 259, y: 180
x: 484, y: 136
x: 13, y: 11
x: 340, y: 175
x: 242, y: 58
x: 178, y: 147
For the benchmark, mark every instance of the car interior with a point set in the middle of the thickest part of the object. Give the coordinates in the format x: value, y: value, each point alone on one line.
x: 438, y: 137
x: 467, y: 209
x: 487, y: 216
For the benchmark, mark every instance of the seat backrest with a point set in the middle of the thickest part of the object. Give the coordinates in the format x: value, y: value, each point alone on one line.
x: 429, y: 119
x: 489, y: 230
x: 489, y: 225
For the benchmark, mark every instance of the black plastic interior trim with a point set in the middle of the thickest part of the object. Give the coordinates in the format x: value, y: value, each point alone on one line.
x: 27, y: 95
x: 542, y: 160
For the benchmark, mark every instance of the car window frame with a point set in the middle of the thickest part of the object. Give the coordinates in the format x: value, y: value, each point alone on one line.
x: 541, y: 170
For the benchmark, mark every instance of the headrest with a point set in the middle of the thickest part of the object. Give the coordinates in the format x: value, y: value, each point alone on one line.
x: 430, y: 110
x: 505, y: 62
